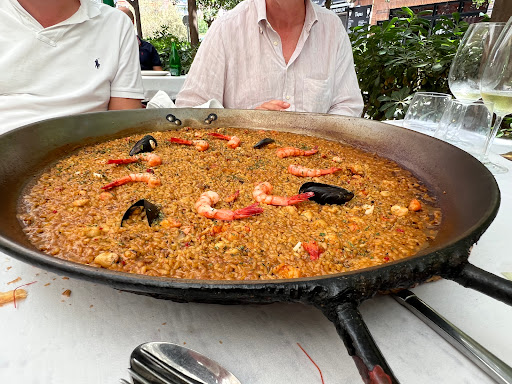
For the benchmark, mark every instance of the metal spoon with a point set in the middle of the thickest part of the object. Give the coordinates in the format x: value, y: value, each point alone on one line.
x: 507, y: 155
x: 167, y: 363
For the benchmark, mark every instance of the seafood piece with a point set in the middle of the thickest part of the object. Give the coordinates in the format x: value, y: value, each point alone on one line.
x: 313, y: 249
x: 106, y: 259
x: 299, y: 170
x: 148, y: 178
x: 209, y: 198
x: 152, y: 159
x: 233, y: 141
x: 285, y: 271
x: 326, y: 194
x: 263, y: 142
x: 201, y: 145
x: 262, y: 194
x: 291, y: 151
x: 414, y: 205
x: 152, y: 211
x: 146, y: 144
x: 232, y: 197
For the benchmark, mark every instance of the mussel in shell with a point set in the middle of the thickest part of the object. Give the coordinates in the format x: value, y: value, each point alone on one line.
x: 146, y: 144
x: 327, y: 194
x: 152, y: 211
x: 263, y: 142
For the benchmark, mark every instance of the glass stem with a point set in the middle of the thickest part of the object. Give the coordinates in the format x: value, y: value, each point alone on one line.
x: 490, y: 138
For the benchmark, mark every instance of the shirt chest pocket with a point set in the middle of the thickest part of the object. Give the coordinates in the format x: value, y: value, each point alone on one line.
x: 317, y: 95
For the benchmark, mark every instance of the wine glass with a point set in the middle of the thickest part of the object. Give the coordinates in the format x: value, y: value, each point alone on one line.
x: 496, y: 87
x: 466, y: 72
x: 468, y: 64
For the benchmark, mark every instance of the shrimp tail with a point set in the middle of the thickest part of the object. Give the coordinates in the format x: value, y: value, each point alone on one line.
x: 116, y: 183
x: 122, y: 161
x: 219, y: 136
x: 311, y: 151
x: 300, y: 197
x: 232, y: 197
x: 251, y: 210
x: 179, y: 141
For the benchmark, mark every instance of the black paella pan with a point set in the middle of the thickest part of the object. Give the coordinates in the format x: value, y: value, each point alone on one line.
x: 466, y: 192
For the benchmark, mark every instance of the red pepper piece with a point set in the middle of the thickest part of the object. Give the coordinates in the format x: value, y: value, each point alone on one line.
x: 313, y: 249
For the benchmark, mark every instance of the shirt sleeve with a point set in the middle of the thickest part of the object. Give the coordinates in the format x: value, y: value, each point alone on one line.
x: 347, y: 98
x: 155, y: 57
x: 127, y: 82
x: 206, y: 78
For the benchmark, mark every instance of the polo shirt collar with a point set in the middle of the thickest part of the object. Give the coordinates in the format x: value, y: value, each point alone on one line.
x: 87, y: 10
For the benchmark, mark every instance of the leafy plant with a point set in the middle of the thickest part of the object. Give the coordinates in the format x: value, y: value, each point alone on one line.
x: 506, y: 128
x: 162, y: 40
x: 211, y: 8
x: 403, y: 56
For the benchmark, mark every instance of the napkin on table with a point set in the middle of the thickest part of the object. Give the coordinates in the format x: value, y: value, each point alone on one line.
x: 162, y: 100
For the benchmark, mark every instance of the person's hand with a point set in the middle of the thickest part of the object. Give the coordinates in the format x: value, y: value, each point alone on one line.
x: 274, y: 105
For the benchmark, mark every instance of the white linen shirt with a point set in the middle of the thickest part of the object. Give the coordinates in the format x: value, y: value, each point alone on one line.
x: 72, y: 67
x: 240, y: 63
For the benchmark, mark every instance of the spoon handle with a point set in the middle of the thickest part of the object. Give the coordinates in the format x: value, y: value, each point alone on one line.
x: 489, y: 363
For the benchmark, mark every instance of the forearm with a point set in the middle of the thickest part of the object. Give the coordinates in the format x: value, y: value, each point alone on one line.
x: 117, y: 103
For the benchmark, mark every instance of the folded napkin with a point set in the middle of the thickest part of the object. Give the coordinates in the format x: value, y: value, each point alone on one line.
x: 162, y: 100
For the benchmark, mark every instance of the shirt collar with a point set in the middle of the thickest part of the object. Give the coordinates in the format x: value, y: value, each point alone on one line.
x: 311, y: 16
x: 309, y: 21
x: 261, y: 10
x: 87, y: 10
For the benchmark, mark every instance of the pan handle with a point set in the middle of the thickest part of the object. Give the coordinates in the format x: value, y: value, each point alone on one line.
x: 476, y: 278
x: 350, y: 325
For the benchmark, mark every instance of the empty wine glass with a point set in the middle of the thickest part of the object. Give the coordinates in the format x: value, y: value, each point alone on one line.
x: 469, y: 61
x: 496, y: 87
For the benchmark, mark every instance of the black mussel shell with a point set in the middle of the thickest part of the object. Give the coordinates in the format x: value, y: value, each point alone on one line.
x: 152, y: 211
x: 262, y: 143
x: 327, y: 194
x: 146, y: 144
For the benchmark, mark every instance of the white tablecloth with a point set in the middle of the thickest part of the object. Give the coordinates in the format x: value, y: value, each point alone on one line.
x: 169, y: 84
x: 88, y: 337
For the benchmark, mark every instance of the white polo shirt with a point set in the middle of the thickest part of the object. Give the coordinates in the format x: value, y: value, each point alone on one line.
x: 72, y: 67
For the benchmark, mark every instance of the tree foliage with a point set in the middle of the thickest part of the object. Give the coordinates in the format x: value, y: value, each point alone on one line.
x: 156, y: 16
x: 211, y: 8
x: 403, y: 56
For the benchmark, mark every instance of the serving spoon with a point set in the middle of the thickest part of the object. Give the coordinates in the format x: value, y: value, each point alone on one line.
x: 167, y: 363
x: 507, y: 155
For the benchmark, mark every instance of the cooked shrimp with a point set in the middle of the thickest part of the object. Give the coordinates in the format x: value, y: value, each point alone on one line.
x: 233, y: 141
x: 299, y: 170
x: 291, y: 151
x: 209, y: 198
x: 148, y: 178
x: 152, y: 159
x: 262, y: 194
x: 232, y: 197
x: 201, y: 145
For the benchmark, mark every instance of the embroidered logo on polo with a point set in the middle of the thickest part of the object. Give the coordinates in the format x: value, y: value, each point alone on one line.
x: 97, y: 63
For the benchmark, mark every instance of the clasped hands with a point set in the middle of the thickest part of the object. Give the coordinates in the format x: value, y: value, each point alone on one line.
x: 274, y: 105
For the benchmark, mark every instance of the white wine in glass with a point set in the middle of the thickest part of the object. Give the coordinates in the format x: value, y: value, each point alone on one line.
x: 496, y: 87
x: 468, y: 64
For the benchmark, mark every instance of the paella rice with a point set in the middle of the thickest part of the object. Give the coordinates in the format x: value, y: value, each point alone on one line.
x: 75, y: 208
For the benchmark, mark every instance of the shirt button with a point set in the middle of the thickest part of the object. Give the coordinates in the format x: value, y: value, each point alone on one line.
x: 275, y: 42
x: 287, y: 97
